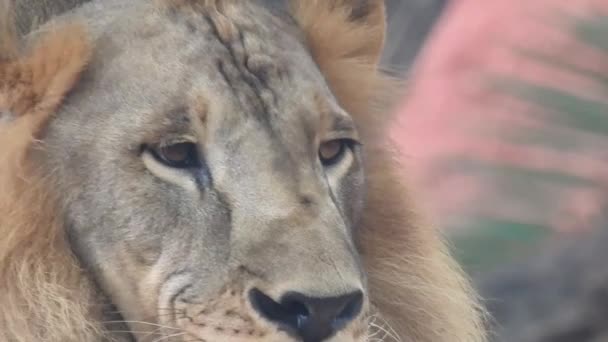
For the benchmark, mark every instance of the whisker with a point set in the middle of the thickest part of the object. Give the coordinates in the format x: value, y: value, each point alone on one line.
x: 379, y: 330
x: 143, y: 323
x: 378, y: 325
x: 132, y: 331
x: 154, y: 332
x: 166, y: 338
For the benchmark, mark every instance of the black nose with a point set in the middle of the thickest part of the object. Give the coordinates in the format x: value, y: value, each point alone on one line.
x: 309, y: 318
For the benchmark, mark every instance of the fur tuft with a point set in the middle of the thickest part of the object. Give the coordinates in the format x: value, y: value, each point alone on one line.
x: 43, y: 293
x: 422, y: 294
x: 36, y: 83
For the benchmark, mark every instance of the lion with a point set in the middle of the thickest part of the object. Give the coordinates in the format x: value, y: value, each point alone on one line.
x: 211, y: 170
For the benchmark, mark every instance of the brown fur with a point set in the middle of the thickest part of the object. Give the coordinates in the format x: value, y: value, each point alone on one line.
x: 415, y: 286
x: 43, y: 294
x: 8, y: 33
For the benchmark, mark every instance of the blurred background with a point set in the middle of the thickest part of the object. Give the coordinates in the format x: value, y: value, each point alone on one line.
x: 503, y: 130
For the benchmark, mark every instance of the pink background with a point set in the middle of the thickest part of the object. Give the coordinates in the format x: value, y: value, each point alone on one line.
x: 448, y: 113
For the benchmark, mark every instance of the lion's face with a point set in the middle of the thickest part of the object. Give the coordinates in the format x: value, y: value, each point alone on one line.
x: 214, y: 192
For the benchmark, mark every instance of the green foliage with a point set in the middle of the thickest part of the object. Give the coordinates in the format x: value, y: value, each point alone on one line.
x: 593, y: 32
x: 565, y: 107
x: 490, y: 241
x: 512, y: 174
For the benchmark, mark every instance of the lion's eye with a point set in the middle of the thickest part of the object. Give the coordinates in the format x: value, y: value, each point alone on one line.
x: 331, y: 152
x: 180, y: 156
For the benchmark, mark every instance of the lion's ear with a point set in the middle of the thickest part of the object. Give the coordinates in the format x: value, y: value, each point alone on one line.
x: 346, y: 38
x: 338, y: 29
x: 35, y: 82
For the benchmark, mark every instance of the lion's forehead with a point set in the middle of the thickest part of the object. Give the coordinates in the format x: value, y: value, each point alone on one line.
x: 241, y: 59
x: 249, y: 37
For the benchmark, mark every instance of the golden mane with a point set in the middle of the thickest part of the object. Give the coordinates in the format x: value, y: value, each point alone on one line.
x: 44, y: 295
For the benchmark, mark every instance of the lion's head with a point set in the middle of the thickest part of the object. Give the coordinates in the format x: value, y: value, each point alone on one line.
x: 198, y: 170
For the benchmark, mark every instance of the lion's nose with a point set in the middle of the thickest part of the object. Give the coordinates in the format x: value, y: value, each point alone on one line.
x: 313, y: 319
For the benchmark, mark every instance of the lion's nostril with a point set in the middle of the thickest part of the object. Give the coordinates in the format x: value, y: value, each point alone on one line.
x: 269, y: 308
x: 309, y: 318
x: 297, y: 310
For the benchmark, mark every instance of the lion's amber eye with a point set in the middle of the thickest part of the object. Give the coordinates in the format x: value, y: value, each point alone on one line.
x: 331, y: 152
x: 181, y: 155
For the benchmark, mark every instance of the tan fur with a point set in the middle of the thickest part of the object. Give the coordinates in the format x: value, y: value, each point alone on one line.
x: 43, y: 294
x: 36, y: 83
x: 8, y: 33
x: 415, y: 286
